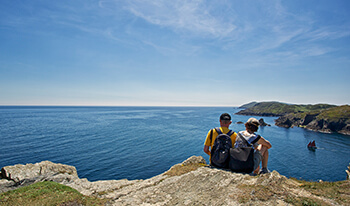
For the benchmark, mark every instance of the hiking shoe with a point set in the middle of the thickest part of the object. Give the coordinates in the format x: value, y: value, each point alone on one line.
x: 264, y: 171
x: 253, y: 174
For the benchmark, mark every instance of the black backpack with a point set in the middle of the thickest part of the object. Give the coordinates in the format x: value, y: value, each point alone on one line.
x: 242, y: 158
x: 220, y: 152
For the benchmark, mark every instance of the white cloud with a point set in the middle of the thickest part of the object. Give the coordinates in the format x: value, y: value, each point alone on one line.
x: 182, y: 16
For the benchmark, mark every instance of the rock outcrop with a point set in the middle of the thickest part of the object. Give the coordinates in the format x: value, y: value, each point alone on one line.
x: 320, y: 117
x: 22, y: 175
x: 312, y: 122
x: 189, y: 183
x: 263, y: 123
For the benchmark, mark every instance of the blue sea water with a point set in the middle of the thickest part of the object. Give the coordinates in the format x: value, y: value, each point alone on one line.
x: 106, y: 143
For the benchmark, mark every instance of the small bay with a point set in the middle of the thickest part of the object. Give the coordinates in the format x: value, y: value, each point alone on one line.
x: 106, y: 143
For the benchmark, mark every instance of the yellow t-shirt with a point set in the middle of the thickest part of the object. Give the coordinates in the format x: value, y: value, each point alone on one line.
x: 224, y: 130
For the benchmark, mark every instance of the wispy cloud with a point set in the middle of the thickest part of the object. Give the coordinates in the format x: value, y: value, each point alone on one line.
x: 328, y: 33
x: 182, y: 16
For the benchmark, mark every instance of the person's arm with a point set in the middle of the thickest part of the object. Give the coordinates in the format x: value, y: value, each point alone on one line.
x: 206, y: 149
x: 264, y: 142
x: 207, y: 142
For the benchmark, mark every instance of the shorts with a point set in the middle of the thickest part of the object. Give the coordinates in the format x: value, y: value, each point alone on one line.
x: 257, y: 159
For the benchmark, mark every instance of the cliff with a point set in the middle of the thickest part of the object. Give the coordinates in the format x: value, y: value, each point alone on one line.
x: 320, y: 117
x: 190, y: 183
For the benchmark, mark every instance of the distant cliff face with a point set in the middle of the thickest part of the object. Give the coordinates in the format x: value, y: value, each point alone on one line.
x: 331, y: 120
x: 189, y: 183
x: 320, y: 117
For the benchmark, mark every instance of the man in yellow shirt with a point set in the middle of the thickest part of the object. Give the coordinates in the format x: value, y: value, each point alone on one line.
x: 225, y: 121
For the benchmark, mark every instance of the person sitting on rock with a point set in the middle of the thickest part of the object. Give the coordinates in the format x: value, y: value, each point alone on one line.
x: 261, y: 146
x: 225, y: 121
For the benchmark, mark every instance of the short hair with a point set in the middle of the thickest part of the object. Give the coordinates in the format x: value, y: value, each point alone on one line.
x: 251, y: 127
x: 225, y: 116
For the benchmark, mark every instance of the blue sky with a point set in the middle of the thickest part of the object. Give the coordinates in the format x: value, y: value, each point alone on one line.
x: 174, y: 53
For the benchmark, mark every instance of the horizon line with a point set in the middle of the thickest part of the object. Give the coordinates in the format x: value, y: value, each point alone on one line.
x: 117, y: 106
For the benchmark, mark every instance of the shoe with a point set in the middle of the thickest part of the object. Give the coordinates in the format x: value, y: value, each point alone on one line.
x: 264, y: 171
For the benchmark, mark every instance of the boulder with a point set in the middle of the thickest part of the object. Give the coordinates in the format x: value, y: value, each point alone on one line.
x: 263, y: 123
x: 22, y: 175
x: 18, y: 173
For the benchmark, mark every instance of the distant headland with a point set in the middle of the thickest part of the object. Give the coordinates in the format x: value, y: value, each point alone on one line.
x: 324, y: 118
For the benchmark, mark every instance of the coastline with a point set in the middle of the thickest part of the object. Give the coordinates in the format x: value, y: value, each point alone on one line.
x: 319, y: 118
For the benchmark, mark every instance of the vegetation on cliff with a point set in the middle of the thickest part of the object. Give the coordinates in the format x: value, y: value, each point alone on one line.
x: 48, y: 193
x: 248, y: 105
x: 320, y: 117
x: 280, y: 109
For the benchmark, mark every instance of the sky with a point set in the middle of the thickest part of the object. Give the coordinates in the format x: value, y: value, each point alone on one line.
x: 174, y: 53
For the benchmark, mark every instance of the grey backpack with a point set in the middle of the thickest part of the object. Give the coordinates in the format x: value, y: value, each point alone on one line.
x: 242, y: 158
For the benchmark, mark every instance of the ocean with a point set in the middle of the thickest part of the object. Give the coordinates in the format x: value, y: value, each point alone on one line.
x: 106, y: 143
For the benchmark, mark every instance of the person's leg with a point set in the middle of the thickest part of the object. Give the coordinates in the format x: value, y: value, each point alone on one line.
x: 256, y: 171
x: 264, y: 161
x: 257, y: 159
x: 264, y: 153
x: 265, y: 158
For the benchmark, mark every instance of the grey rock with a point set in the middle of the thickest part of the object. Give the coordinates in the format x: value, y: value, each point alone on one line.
x: 202, y: 185
x: 194, y: 160
x: 30, y: 172
x: 263, y: 123
x: 6, y: 185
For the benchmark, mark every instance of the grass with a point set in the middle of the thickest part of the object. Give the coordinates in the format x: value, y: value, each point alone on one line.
x: 340, y: 112
x: 321, y: 192
x: 279, y: 109
x: 48, y: 193
x: 337, y: 191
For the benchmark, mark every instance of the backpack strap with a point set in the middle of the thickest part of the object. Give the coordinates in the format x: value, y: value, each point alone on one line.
x: 229, y: 133
x: 253, y: 142
x: 244, y: 140
x: 257, y: 139
x: 218, y: 130
x: 211, y: 136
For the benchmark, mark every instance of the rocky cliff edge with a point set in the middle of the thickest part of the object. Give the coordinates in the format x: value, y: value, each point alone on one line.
x: 190, y: 183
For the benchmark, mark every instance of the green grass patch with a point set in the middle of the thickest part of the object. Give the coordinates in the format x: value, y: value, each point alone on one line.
x: 321, y: 192
x: 47, y: 193
x: 337, y: 191
x: 333, y: 114
x: 279, y: 109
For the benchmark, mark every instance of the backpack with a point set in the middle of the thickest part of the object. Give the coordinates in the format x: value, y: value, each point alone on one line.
x: 221, y: 149
x: 242, y: 158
